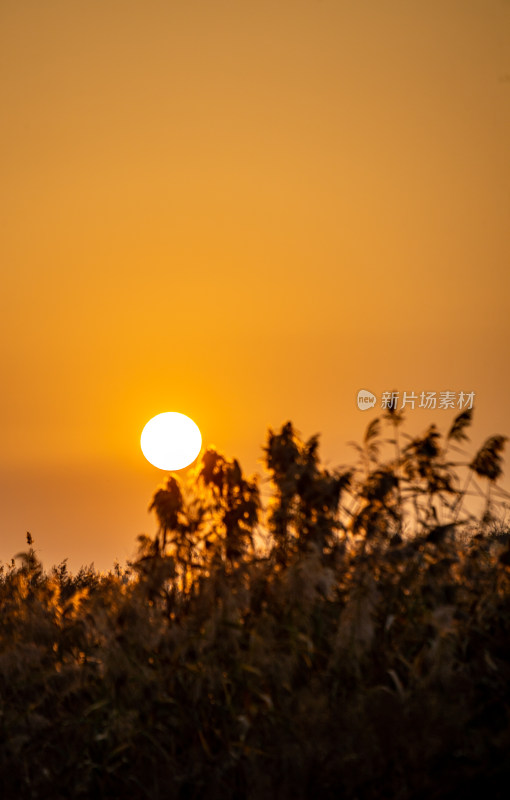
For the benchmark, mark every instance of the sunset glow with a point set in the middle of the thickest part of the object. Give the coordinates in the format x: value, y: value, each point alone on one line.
x: 249, y: 212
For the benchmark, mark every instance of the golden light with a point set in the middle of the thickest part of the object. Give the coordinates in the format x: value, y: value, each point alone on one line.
x: 171, y: 441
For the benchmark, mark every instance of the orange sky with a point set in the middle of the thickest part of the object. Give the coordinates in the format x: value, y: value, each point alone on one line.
x: 244, y: 211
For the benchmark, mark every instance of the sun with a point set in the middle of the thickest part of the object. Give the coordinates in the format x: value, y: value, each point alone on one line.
x: 171, y: 441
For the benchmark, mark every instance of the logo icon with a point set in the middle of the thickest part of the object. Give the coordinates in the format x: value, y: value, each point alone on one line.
x: 366, y: 399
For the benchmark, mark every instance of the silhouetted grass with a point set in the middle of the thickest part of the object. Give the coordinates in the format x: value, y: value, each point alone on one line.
x: 351, y: 640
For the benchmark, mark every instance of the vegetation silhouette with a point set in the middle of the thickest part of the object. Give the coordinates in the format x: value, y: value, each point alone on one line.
x: 348, y: 638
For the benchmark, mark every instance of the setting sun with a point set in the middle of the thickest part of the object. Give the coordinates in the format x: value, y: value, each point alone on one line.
x: 171, y: 441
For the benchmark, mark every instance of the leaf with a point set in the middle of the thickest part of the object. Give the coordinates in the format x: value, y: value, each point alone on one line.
x: 249, y: 668
x: 96, y: 707
x: 398, y: 683
x: 204, y: 743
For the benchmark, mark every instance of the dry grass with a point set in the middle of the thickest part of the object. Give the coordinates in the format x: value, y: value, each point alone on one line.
x: 364, y: 653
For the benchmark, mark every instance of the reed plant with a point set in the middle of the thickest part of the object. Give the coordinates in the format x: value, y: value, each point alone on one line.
x: 349, y: 637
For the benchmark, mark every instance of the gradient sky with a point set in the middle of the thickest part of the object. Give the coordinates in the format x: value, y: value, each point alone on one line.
x: 244, y: 211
